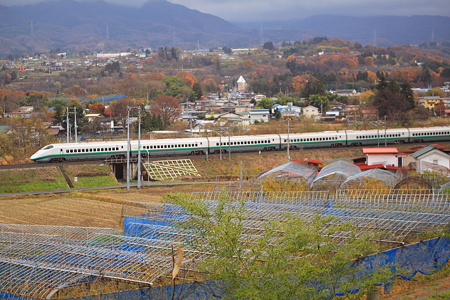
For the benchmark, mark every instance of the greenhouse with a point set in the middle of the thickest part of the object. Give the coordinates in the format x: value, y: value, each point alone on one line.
x: 57, y: 262
x: 333, y: 175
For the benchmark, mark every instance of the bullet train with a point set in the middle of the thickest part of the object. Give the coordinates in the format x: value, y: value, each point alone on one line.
x: 210, y: 145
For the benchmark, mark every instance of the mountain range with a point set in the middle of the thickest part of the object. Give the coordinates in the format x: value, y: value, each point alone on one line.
x: 101, y: 26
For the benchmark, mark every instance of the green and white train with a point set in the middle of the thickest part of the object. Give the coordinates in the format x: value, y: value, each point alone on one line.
x: 209, y: 145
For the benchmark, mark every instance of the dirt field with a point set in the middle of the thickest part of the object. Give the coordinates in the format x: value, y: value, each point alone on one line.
x: 88, y: 209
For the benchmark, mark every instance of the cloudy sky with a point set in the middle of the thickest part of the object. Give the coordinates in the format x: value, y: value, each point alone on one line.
x: 268, y: 10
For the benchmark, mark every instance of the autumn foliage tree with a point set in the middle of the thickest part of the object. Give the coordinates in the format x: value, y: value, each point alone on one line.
x: 167, y: 107
x: 119, y: 109
x: 298, y: 82
x: 97, y: 108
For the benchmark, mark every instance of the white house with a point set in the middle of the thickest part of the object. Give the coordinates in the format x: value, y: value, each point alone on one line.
x: 311, y: 111
x: 383, y: 156
x: 259, y: 115
x: 431, y: 158
x: 288, y: 111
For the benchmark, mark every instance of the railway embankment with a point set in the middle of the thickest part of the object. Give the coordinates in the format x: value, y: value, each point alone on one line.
x: 52, y: 178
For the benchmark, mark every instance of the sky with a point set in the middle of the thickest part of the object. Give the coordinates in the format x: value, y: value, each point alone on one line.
x: 272, y: 10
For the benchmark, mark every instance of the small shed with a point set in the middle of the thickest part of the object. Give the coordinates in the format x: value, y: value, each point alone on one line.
x: 383, y: 156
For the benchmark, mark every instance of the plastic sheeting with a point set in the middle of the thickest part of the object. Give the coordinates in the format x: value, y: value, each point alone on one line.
x: 381, y: 175
x: 340, y: 167
x: 293, y: 168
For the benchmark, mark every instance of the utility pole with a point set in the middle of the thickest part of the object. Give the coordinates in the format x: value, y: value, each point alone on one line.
x: 67, y: 125
x: 128, y: 148
x: 75, y: 124
x: 288, y: 141
x: 378, y: 131
x: 139, y: 148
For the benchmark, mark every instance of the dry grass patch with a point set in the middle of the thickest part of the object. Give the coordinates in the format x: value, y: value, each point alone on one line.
x: 150, y: 194
x: 62, y: 211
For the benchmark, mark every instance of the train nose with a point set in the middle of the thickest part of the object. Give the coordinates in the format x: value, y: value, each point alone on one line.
x: 35, y: 156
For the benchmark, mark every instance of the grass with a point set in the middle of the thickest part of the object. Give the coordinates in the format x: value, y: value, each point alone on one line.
x: 35, y: 179
x: 91, y: 175
x: 440, y: 296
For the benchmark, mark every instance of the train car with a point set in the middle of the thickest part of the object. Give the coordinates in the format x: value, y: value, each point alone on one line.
x: 80, y: 151
x: 374, y: 136
x: 164, y: 147
x: 244, y: 143
x: 314, y: 139
x: 429, y: 134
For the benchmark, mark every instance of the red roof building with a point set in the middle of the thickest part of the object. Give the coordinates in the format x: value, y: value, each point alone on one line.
x: 383, y: 156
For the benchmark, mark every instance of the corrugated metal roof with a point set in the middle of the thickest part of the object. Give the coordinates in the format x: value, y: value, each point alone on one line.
x: 423, y: 151
x: 380, y: 150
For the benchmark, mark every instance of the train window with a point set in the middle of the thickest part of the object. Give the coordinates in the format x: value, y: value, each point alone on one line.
x: 47, y: 147
x: 67, y: 151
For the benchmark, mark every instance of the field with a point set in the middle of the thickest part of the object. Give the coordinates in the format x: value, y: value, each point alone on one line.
x: 103, y: 208
x: 87, y: 209
x: 36, y: 179
x: 90, y: 175
x: 49, y: 178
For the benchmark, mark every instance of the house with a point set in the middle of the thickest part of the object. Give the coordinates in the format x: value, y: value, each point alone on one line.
x: 92, y: 117
x: 23, y: 111
x: 288, y: 111
x: 369, y: 114
x: 352, y: 112
x: 348, y: 92
x: 431, y: 158
x: 383, y: 156
x: 259, y: 97
x: 229, y: 119
x: 258, y: 115
x: 311, y: 111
